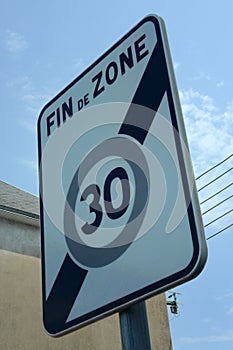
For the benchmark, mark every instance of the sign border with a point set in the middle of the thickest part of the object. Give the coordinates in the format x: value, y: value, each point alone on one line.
x: 195, y: 221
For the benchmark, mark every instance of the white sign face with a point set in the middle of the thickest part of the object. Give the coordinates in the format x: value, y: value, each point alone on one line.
x: 120, y: 220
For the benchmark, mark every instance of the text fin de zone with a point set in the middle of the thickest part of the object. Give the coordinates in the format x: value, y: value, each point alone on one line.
x: 106, y: 77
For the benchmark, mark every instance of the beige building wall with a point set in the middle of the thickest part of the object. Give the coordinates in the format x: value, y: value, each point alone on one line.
x: 20, y: 294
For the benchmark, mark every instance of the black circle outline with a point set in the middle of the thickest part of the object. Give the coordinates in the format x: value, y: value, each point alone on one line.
x: 97, y: 257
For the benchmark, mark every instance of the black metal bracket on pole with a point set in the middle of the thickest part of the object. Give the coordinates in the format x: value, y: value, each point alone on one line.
x: 134, y: 328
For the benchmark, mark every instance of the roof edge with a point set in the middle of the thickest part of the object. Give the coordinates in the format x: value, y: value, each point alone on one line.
x: 18, y: 215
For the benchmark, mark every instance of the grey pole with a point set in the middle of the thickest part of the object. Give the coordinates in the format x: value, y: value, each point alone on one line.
x: 134, y: 328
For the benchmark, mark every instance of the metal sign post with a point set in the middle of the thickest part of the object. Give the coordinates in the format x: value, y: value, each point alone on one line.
x: 134, y: 328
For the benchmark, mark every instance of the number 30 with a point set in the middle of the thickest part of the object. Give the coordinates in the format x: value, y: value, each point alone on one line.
x: 95, y: 207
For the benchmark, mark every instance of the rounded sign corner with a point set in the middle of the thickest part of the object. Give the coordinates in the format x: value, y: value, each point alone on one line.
x: 118, y: 130
x: 49, y: 329
x: 152, y: 17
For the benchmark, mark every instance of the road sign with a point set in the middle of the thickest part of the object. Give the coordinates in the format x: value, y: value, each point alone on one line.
x: 120, y: 219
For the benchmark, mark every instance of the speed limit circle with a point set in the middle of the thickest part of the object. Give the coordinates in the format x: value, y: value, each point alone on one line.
x: 105, y: 253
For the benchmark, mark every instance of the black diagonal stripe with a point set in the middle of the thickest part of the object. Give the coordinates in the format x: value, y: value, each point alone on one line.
x: 150, y: 91
x: 70, y: 278
x: 62, y: 296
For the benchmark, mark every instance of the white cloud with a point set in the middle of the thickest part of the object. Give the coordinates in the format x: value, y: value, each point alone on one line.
x: 225, y: 299
x: 209, y: 132
x: 15, y: 43
x: 31, y: 97
x: 29, y: 125
x: 224, y: 296
x: 227, y: 336
x: 209, y: 129
x: 220, y: 83
x: 205, y: 77
x: 202, y: 76
x: 78, y: 65
x: 176, y: 66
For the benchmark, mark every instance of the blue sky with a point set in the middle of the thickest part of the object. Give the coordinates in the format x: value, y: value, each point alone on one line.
x: 45, y: 45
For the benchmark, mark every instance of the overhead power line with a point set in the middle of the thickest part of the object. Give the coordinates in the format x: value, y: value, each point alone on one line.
x: 215, y: 179
x: 220, y: 231
x: 216, y: 205
x: 219, y: 217
x: 213, y: 167
x: 215, y: 194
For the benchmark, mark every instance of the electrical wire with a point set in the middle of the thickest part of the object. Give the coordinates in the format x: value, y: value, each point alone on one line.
x: 218, y: 177
x: 215, y: 194
x: 219, y: 217
x: 215, y: 166
x: 220, y: 231
x: 216, y: 205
